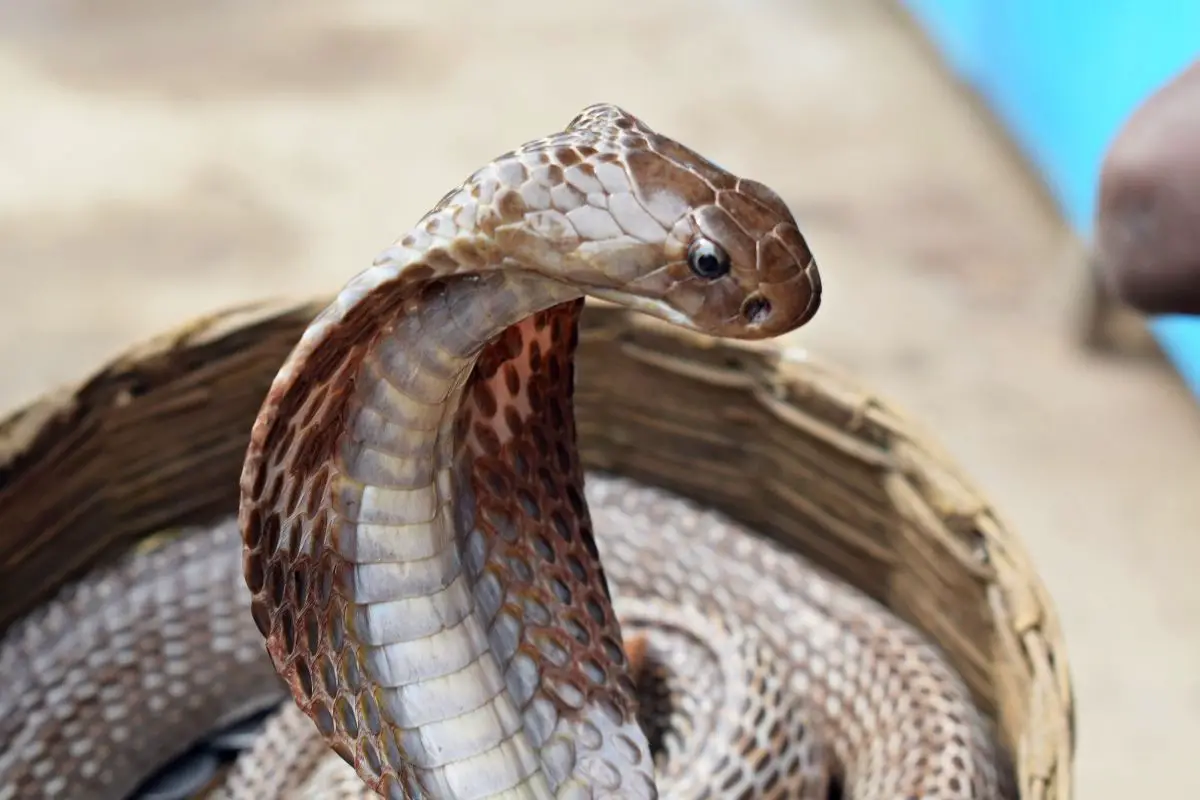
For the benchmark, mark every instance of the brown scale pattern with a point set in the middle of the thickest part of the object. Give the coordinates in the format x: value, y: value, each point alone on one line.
x: 532, y: 484
x: 878, y: 706
x: 105, y: 713
x: 530, y: 506
x: 288, y: 479
x: 766, y: 710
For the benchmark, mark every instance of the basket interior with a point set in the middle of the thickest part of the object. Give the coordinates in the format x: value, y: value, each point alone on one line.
x: 156, y: 439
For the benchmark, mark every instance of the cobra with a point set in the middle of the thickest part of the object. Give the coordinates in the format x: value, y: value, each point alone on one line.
x: 449, y: 604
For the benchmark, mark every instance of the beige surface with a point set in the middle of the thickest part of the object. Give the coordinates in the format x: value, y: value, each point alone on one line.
x: 161, y: 159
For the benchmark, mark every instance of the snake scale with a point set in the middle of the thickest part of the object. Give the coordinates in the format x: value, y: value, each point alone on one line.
x: 454, y: 611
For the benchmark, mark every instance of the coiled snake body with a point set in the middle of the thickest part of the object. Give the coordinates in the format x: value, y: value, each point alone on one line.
x: 418, y: 545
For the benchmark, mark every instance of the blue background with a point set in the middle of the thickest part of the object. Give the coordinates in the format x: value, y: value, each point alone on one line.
x: 1064, y: 75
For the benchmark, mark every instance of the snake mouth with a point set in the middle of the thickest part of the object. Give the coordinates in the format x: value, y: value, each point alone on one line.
x: 647, y: 305
x: 763, y: 314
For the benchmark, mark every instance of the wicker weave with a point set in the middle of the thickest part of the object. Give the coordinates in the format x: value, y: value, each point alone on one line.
x: 156, y: 440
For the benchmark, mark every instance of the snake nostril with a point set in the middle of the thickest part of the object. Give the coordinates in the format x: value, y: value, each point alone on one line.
x: 756, y: 310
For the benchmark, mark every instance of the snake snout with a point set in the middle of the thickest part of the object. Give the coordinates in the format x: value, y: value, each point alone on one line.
x: 773, y: 309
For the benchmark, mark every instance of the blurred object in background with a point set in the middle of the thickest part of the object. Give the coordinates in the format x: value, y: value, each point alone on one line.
x: 1147, y: 236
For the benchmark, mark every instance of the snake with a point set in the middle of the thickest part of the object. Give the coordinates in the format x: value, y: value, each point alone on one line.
x: 450, y: 605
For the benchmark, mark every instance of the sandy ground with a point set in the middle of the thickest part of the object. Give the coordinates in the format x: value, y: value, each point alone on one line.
x: 162, y: 159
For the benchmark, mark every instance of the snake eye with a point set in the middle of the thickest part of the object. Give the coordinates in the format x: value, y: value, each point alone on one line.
x: 708, y: 260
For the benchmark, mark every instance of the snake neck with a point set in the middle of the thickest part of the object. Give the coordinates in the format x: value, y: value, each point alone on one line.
x: 432, y: 592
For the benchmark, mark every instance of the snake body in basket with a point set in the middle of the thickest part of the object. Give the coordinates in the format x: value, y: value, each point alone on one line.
x: 419, y: 548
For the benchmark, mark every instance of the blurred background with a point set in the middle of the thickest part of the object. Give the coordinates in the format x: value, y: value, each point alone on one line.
x: 160, y: 159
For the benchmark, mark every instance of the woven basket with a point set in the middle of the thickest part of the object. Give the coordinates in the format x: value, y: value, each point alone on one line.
x: 156, y: 439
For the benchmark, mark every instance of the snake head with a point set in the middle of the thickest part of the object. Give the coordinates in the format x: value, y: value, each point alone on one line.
x: 686, y: 240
